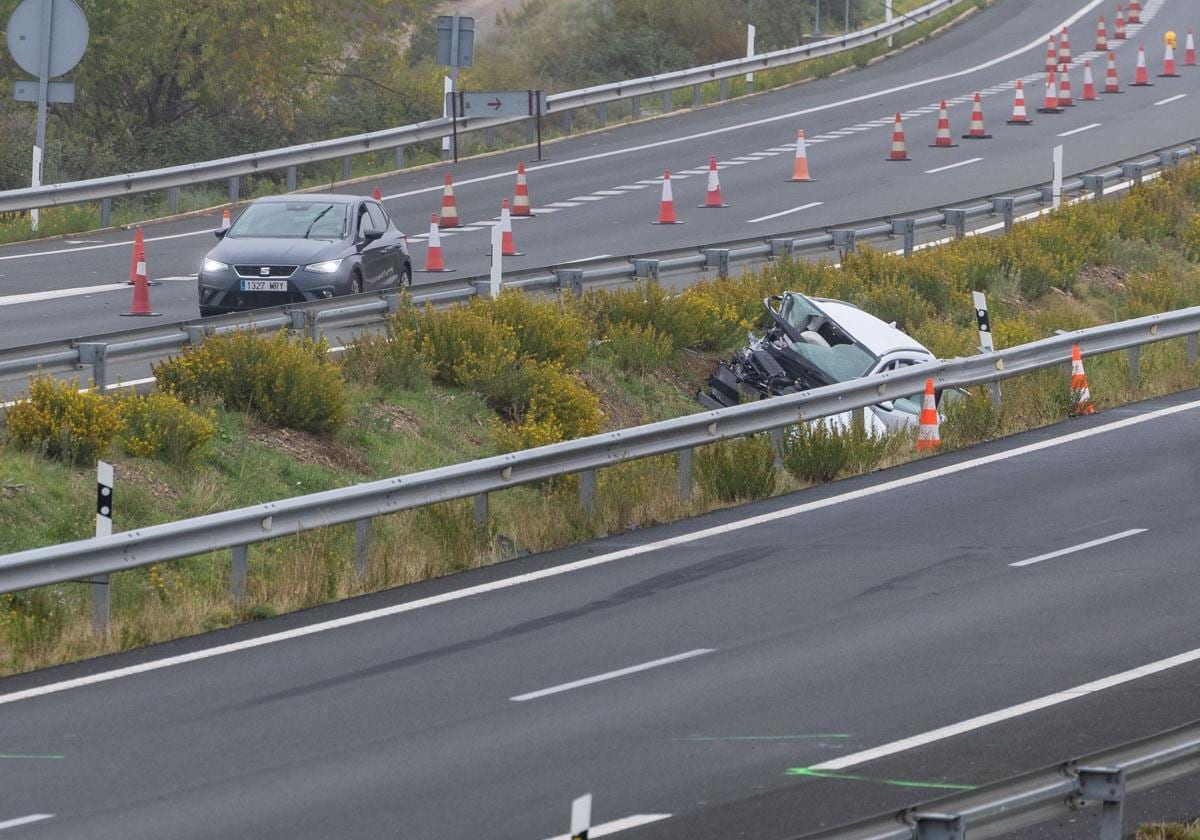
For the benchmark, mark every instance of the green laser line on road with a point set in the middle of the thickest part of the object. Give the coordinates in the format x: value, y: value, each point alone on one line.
x: 34, y: 757
x: 850, y: 777
x: 813, y: 737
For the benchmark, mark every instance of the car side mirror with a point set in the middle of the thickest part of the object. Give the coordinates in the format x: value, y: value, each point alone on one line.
x: 371, y: 234
x: 220, y: 232
x: 887, y: 405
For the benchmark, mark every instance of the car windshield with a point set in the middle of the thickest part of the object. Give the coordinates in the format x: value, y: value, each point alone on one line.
x: 841, y: 360
x: 301, y: 220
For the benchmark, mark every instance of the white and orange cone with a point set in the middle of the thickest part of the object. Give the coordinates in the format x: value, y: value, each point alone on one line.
x: 1064, y: 47
x: 1101, y: 36
x: 1168, y: 71
x: 1189, y: 50
x: 1135, y: 12
x: 976, y: 131
x: 712, y: 197
x: 666, y: 204
x: 508, y: 247
x: 1140, y: 78
x: 1019, y: 115
x: 928, y: 437
x: 899, y: 149
x: 1111, y: 83
x: 800, y: 164
x: 1050, y: 103
x: 1051, y: 55
x: 1066, y: 99
x: 434, y: 261
x: 1119, y: 24
x: 520, y: 203
x: 943, y: 140
x: 137, y: 266
x: 1081, y: 395
x: 449, y: 207
x: 1089, y: 84
x: 139, y: 279
x: 225, y: 221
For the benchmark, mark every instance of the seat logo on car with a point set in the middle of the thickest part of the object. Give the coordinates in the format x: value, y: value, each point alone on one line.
x: 264, y: 271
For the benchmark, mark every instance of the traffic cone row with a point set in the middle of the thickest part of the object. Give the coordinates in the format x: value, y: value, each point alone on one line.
x: 1051, y: 56
x: 1101, y: 36
x: 943, y: 140
x: 712, y: 196
x: 928, y: 437
x: 899, y: 149
x: 1081, y: 395
x: 520, y: 205
x: 1050, y: 103
x: 666, y: 203
x: 1064, y: 47
x: 1189, y: 50
x: 1019, y: 114
x: 1135, y: 12
x: 1119, y: 24
x: 1168, y: 71
x: 434, y: 260
x: 139, y: 279
x: 1065, y: 98
x: 1089, y: 84
x: 976, y: 131
x: 507, y: 247
x: 800, y: 164
x: 1140, y: 78
x: 1111, y: 83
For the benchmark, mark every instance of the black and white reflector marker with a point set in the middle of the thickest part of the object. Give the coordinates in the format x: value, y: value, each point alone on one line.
x: 104, y: 499
x: 581, y: 817
x: 985, y: 327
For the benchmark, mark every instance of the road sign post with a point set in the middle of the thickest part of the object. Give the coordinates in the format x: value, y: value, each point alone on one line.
x: 455, y: 48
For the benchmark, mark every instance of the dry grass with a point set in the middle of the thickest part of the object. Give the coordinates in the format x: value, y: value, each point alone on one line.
x: 1169, y: 831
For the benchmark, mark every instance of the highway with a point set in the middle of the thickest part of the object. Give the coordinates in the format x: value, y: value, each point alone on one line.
x: 714, y: 678
x: 596, y: 194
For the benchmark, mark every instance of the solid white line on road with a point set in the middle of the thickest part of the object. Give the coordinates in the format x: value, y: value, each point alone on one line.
x: 1079, y: 130
x: 599, y: 560
x: 1081, y: 547
x: 610, y: 675
x: 952, y: 165
x: 543, y: 210
x: 32, y: 818
x: 54, y: 294
x: 587, y: 198
x: 563, y: 204
x: 1171, y: 99
x: 808, y: 206
x: 128, y: 244
x: 632, y: 186
x: 608, y: 192
x: 1009, y: 713
x: 585, y: 259
x: 623, y: 824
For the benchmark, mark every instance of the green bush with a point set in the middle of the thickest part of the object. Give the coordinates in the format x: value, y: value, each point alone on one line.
x: 460, y: 339
x: 395, y: 359
x: 644, y: 305
x: 547, y: 329
x: 821, y: 451
x: 637, y: 349
x: 287, y: 383
x: 160, y: 425
x: 62, y: 422
x: 560, y: 407
x: 970, y: 419
x: 735, y: 470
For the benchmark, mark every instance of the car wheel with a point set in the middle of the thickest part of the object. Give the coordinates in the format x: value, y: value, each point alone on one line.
x: 355, y: 283
x: 406, y: 276
x: 208, y: 311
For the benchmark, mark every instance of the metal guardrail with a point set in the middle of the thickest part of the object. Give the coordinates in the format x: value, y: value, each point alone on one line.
x: 1103, y: 778
x: 115, y: 186
x: 245, y: 526
x: 97, y: 351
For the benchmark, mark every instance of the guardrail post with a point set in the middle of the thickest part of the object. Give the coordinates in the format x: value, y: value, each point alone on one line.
x: 105, y: 212
x: 697, y: 96
x: 314, y: 327
x: 291, y: 179
x: 931, y: 826
x: 602, y: 113
x: 958, y: 220
x: 780, y: 248
x: 1132, y: 172
x: 299, y: 319
x: 1105, y: 785
x: 530, y: 131
x: 587, y: 491
x: 567, y: 122
x: 346, y: 168
x: 489, y: 136
x: 399, y: 157
x: 685, y: 473
x: 196, y: 333
x: 1004, y: 206
x: 667, y: 103
x: 392, y: 299
x: 481, y: 508
x: 843, y: 240
x: 724, y: 89
x: 1095, y: 185
x: 908, y: 229
x: 645, y: 270
x: 717, y: 258
x: 636, y: 105
x: 777, y: 447
x: 96, y: 354
x: 235, y: 184
x: 362, y: 547
x: 173, y: 200
x: 570, y: 278
x: 1193, y: 350
x: 1135, y: 359
x: 1170, y: 157
x: 237, y: 573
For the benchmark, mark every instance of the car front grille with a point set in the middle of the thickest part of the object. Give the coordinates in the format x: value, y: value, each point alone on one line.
x: 255, y: 272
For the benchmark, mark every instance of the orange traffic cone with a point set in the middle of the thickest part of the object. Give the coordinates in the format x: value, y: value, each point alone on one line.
x: 1168, y: 71
x: 1189, y: 50
x: 507, y: 247
x: 1119, y: 24
x: 943, y: 140
x: 899, y: 150
x: 800, y: 164
x: 666, y: 205
x: 1064, y: 47
x: 139, y: 280
x: 927, y: 435
x: 1051, y: 55
x: 225, y: 220
x: 1111, y: 83
x: 1135, y: 12
x: 1080, y: 393
x: 1140, y: 79
x: 137, y: 266
x: 976, y: 131
x: 712, y: 198
x: 434, y: 261
x: 449, y: 208
x: 1101, y: 36
x: 520, y: 205
x: 1019, y: 114
x: 377, y: 193
x: 1050, y: 103
x: 1066, y: 99
x: 1089, y: 84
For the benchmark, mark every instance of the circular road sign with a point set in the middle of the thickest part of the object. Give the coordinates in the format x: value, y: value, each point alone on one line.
x: 68, y: 35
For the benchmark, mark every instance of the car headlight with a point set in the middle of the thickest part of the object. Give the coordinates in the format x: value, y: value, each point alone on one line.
x: 214, y: 265
x: 326, y: 267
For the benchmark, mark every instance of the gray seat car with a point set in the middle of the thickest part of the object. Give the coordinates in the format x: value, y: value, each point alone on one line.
x: 295, y: 248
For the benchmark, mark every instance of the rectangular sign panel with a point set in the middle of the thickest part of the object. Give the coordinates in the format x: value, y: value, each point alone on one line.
x: 497, y: 103
x: 55, y: 91
x: 447, y: 55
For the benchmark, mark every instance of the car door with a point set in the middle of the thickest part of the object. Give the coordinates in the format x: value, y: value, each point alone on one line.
x: 371, y: 256
x: 387, y: 247
x: 902, y: 412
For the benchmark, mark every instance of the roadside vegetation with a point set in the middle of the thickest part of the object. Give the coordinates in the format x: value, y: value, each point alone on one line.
x: 246, y: 419
x: 1169, y: 831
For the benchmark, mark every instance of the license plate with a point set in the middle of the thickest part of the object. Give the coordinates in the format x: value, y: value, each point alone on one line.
x: 264, y: 285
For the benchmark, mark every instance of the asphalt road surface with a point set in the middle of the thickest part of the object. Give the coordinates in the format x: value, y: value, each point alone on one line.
x: 696, y: 674
x: 596, y: 194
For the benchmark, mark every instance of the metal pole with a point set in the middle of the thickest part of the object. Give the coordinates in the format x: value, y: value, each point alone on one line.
x: 39, y: 142
x: 817, y: 22
x: 847, y: 17
x: 538, y: 120
x: 887, y: 17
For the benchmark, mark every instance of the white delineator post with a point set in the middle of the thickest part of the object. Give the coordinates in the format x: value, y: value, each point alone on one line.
x: 1056, y: 189
x: 104, y: 528
x: 750, y: 54
x: 986, y: 344
x: 887, y: 17
x: 581, y: 817
x: 447, y: 87
x: 497, y: 258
